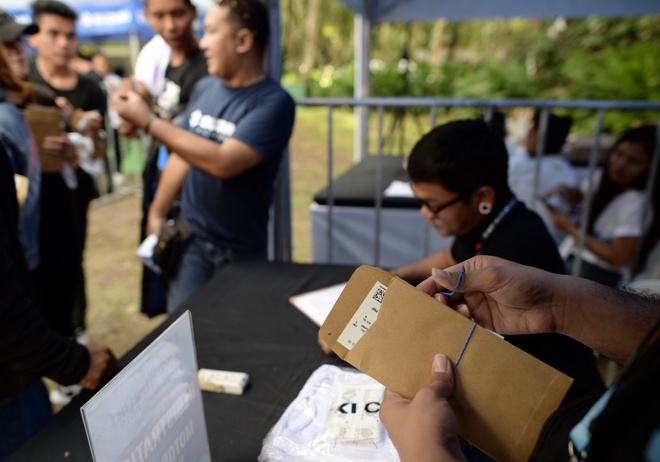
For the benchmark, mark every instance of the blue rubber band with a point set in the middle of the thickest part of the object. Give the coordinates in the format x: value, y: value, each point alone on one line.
x: 467, y: 340
x: 458, y: 283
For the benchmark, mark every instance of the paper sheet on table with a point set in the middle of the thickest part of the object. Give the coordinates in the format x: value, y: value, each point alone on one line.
x: 391, y: 331
x: 145, y: 252
x: 317, y: 304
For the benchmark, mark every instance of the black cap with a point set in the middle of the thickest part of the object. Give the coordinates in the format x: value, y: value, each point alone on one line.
x: 10, y: 30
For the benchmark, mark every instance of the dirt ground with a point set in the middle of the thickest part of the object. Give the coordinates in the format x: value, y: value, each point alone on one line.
x: 113, y: 273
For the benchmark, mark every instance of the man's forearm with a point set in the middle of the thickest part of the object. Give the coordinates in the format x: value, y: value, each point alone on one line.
x: 99, y: 148
x: 221, y: 160
x: 170, y: 185
x: 611, y: 321
x: 195, y: 150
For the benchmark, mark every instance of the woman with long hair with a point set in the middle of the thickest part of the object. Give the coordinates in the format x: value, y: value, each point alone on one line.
x: 615, y: 228
x: 29, y: 409
x: 19, y: 144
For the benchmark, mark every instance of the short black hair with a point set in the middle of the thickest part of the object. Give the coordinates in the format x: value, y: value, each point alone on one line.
x: 41, y: 7
x: 253, y: 15
x: 556, y: 133
x: 462, y: 156
x: 497, y: 122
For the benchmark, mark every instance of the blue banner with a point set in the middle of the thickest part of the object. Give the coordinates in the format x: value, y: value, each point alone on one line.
x: 100, y: 20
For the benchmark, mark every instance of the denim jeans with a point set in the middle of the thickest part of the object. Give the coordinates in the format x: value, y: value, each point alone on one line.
x: 200, y: 260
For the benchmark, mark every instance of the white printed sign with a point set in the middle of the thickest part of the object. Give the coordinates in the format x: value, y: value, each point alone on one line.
x: 152, y: 410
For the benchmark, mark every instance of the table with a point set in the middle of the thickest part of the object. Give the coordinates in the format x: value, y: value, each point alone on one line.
x: 356, y: 187
x: 242, y: 321
x: 404, y: 236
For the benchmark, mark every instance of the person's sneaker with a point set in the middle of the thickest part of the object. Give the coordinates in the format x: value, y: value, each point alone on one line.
x: 118, y: 179
x: 62, y: 395
x: 81, y: 336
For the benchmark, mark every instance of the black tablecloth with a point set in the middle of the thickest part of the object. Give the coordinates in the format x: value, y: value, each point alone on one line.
x: 243, y: 322
x: 357, y: 186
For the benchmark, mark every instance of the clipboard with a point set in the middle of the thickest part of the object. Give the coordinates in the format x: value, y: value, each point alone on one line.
x: 46, y: 121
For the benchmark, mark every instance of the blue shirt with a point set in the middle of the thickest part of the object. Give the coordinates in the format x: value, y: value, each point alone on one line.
x: 233, y: 213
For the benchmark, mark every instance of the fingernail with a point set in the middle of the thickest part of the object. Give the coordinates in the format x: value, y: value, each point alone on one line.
x: 442, y: 274
x: 441, y: 363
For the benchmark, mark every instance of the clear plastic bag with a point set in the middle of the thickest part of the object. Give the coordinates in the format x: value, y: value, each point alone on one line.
x: 333, y: 418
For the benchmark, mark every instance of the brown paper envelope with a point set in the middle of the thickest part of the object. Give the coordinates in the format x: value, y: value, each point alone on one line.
x: 503, y: 395
x: 46, y: 121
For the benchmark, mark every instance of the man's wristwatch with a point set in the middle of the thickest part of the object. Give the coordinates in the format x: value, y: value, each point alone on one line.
x: 153, y: 117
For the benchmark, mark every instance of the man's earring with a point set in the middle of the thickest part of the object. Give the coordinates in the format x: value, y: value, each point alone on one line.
x: 485, y: 208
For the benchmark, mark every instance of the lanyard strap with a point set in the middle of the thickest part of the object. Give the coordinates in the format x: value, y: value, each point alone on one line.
x: 478, y: 247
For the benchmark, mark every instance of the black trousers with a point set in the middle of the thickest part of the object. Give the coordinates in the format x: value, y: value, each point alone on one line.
x: 60, y: 268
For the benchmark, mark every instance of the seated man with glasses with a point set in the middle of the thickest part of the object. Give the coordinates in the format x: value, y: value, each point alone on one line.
x: 226, y: 153
x: 459, y: 174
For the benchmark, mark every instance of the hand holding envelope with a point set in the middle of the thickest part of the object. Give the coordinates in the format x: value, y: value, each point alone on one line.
x: 392, y: 331
x: 416, y: 425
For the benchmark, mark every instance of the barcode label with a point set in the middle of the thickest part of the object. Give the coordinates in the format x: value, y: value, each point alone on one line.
x: 364, y: 317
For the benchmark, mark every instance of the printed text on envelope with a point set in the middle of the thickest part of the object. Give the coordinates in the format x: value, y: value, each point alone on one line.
x: 364, y: 317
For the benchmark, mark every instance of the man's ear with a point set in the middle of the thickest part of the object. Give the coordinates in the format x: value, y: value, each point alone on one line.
x: 244, y: 40
x: 32, y: 40
x: 484, y: 194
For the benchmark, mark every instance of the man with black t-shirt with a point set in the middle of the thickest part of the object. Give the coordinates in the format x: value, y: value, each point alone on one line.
x: 172, y: 20
x: 65, y: 195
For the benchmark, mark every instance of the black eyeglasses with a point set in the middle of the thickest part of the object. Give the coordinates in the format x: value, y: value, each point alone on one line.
x: 436, y: 210
x: 242, y: 13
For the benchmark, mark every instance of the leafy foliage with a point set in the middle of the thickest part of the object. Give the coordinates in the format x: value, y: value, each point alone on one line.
x: 593, y: 58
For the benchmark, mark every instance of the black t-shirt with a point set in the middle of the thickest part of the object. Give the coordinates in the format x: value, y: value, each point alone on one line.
x: 522, y: 237
x: 179, y: 84
x: 86, y: 95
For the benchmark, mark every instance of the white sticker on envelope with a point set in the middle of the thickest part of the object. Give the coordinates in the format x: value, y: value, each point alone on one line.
x: 364, y: 317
